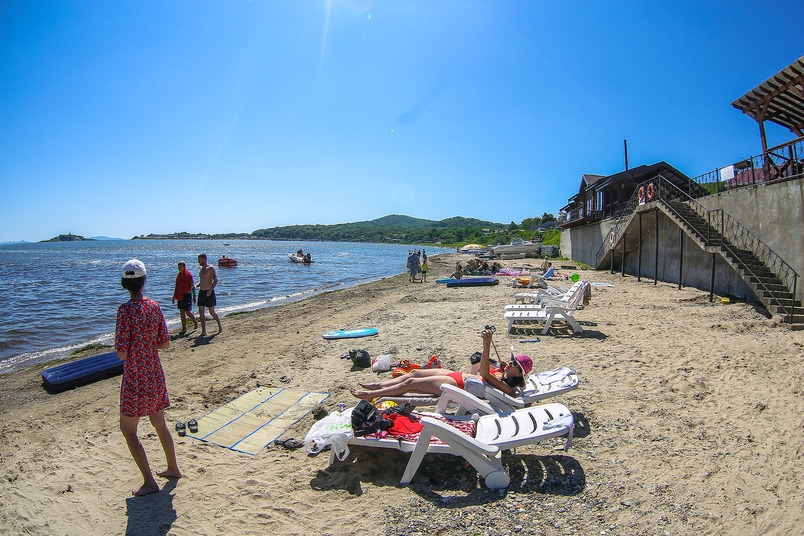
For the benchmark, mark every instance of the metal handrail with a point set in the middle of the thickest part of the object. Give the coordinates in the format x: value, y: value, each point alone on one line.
x: 782, y: 162
x: 738, y: 237
x: 663, y: 189
x: 720, y: 230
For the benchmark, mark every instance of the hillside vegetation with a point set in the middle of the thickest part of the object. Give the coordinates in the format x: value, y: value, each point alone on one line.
x: 455, y: 231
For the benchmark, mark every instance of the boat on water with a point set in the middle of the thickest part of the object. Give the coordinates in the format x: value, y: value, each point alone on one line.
x: 517, y: 246
x: 227, y: 262
x: 300, y: 259
x: 474, y: 249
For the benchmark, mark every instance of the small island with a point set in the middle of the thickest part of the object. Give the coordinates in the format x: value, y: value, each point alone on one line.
x: 69, y: 237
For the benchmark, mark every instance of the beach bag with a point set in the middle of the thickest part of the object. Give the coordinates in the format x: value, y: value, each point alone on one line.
x: 334, y: 430
x: 366, y: 419
x: 360, y: 358
x: 381, y: 363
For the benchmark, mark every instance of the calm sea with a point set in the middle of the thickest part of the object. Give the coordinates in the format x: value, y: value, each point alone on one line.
x: 59, y: 296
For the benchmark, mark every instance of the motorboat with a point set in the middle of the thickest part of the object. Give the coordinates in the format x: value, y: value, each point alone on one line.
x: 227, y: 262
x: 517, y: 246
x: 300, y: 259
x: 474, y: 249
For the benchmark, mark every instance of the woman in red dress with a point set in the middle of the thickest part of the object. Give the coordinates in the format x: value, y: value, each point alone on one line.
x: 140, y: 333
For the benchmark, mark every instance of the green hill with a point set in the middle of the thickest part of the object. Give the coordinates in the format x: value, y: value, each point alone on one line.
x: 393, y: 228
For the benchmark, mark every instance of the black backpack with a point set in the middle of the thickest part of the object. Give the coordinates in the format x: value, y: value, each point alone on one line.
x: 366, y: 419
x: 360, y: 358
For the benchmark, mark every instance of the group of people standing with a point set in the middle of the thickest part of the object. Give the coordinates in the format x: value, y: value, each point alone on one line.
x: 140, y: 332
x: 417, y: 262
x: 184, y: 294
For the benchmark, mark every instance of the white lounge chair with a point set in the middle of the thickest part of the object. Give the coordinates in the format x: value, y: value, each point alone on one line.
x: 538, y: 386
x: 549, y: 311
x: 554, y: 292
x: 493, y: 434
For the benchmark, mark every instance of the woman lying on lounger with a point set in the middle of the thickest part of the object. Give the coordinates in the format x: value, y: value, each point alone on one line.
x: 508, y: 378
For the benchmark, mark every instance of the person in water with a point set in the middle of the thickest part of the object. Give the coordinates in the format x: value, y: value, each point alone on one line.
x: 508, y: 378
x: 140, y: 332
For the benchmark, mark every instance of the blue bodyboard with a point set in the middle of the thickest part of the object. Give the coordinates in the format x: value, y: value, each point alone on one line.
x: 473, y: 282
x: 81, y: 372
x: 350, y: 333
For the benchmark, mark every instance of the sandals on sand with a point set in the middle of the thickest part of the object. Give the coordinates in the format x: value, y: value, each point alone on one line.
x: 291, y: 443
x: 181, y: 429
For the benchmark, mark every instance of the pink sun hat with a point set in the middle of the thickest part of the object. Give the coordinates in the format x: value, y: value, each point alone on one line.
x: 524, y: 362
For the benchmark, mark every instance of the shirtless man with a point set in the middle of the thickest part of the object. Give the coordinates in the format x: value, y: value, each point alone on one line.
x: 207, y: 281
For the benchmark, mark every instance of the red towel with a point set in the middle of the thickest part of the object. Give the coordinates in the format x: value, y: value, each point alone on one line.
x: 403, y: 426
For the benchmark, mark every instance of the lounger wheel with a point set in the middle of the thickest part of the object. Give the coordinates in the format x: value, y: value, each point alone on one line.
x: 498, y: 480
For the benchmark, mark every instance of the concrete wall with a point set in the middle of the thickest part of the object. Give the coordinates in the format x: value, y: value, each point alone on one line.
x: 774, y: 213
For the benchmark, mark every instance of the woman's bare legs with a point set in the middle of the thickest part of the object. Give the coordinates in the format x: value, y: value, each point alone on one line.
x: 415, y: 373
x: 128, y: 426
x: 165, y: 437
x: 429, y: 384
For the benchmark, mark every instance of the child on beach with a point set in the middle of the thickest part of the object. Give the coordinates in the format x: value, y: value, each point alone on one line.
x: 140, y: 333
x: 508, y: 378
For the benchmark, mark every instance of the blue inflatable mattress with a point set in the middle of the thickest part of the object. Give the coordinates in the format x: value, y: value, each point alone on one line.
x: 83, y: 371
x: 473, y: 282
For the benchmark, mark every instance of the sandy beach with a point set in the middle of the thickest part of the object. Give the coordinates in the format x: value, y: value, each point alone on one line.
x: 688, y: 421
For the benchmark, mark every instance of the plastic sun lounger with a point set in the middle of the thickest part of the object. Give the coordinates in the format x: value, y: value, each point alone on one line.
x: 493, y: 434
x: 538, y: 386
x: 549, y: 311
x: 549, y: 293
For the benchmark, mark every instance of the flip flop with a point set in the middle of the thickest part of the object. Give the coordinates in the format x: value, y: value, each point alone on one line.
x: 192, y: 424
x: 181, y: 429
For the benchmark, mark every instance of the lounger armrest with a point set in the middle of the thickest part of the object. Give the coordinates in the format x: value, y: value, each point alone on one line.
x: 469, y: 402
x: 454, y: 437
x: 498, y: 399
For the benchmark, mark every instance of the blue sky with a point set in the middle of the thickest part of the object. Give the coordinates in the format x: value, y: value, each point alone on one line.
x: 127, y: 118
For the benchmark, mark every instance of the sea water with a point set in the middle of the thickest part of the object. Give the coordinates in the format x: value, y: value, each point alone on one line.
x: 60, y: 296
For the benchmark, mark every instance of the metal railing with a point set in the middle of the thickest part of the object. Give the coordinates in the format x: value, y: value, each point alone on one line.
x: 783, y: 162
x: 737, y: 237
x: 719, y: 229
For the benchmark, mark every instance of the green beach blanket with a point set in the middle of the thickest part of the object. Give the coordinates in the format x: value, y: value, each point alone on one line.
x: 249, y: 423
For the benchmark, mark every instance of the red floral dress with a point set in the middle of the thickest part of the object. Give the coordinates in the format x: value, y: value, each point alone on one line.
x: 140, y: 327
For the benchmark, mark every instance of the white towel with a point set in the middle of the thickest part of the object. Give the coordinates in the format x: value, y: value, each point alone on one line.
x: 550, y: 376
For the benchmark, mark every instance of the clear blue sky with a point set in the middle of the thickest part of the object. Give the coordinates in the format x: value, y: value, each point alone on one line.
x: 126, y: 118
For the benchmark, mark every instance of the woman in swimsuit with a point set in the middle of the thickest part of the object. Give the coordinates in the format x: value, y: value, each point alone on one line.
x: 507, y: 378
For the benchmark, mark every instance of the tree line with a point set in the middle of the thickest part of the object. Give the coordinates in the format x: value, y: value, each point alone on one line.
x: 456, y: 231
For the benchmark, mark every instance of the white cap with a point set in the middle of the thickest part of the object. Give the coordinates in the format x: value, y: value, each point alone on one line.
x: 133, y: 269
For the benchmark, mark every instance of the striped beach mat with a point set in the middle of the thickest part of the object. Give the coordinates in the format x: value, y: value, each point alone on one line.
x: 249, y: 423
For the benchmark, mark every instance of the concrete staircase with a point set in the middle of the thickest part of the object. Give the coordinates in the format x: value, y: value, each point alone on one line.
x: 717, y: 232
x: 771, y: 291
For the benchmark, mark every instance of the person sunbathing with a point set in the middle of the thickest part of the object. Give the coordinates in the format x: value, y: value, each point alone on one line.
x: 508, y: 378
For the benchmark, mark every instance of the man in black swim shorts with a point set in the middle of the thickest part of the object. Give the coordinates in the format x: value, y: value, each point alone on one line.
x: 184, y: 294
x: 208, y: 280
